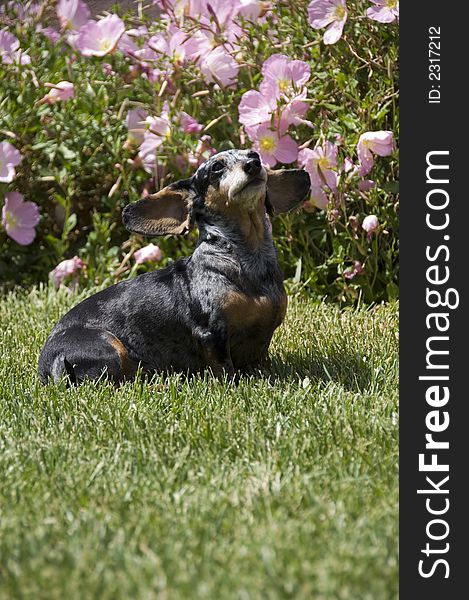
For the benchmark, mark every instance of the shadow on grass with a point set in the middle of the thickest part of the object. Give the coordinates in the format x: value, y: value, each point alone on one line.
x: 346, y: 369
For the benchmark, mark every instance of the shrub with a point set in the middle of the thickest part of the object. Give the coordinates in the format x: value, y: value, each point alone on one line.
x: 187, y: 85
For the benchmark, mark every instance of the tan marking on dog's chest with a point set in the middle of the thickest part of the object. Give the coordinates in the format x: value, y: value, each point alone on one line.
x: 242, y: 311
x: 250, y: 222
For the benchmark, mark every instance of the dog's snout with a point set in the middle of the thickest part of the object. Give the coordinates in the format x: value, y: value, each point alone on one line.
x: 252, y: 166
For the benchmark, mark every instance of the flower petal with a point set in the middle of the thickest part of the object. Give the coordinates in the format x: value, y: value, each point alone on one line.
x: 21, y: 235
x: 334, y: 32
x: 287, y: 150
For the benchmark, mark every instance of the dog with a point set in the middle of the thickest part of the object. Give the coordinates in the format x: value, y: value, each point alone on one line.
x: 216, y: 309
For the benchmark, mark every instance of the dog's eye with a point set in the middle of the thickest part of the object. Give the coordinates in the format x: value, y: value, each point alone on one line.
x: 217, y: 167
x: 253, y: 154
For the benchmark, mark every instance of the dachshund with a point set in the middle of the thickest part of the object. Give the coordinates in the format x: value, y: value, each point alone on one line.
x: 216, y: 309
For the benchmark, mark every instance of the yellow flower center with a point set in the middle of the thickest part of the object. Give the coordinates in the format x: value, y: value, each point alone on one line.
x: 267, y: 143
x: 391, y: 4
x: 323, y: 163
x: 105, y: 44
x: 179, y: 9
x: 283, y: 84
x: 339, y: 12
x: 11, y: 220
x: 178, y: 56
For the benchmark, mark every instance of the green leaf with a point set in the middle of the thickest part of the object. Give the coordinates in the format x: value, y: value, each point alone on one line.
x: 70, y: 224
x: 391, y: 186
x: 393, y: 290
x: 297, y: 277
x: 66, y: 152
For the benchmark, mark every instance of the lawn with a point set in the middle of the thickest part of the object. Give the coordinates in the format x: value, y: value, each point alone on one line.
x: 283, y: 485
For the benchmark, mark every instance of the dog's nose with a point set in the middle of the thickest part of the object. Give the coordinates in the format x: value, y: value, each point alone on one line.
x: 252, y: 166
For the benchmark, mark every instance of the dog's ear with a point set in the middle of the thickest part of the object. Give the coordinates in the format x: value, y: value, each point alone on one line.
x: 163, y: 213
x: 287, y: 188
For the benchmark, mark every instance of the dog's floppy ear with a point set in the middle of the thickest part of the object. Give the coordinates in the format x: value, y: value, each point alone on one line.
x: 287, y: 188
x: 163, y: 213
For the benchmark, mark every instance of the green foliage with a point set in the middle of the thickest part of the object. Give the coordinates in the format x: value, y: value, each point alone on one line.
x: 77, y: 165
x: 283, y: 485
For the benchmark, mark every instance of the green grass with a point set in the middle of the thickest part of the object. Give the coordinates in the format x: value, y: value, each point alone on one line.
x: 277, y: 487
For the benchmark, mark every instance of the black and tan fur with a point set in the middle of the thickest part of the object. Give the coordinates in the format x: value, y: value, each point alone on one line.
x: 217, y: 308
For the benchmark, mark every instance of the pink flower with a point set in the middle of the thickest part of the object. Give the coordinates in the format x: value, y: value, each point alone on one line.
x: 158, y: 129
x: 66, y: 268
x: 135, y: 121
x: 126, y: 45
x: 8, y: 43
x: 350, y: 167
x: 224, y: 10
x: 148, y: 150
x: 321, y: 164
x: 98, y: 38
x: 72, y: 14
x: 318, y: 197
x: 138, y: 32
x: 331, y: 14
x: 173, y: 7
x: 219, y: 67
x: 72, y: 37
x: 271, y: 146
x: 146, y: 56
x: 10, y: 51
x: 365, y: 185
x: 203, y: 151
x: 63, y: 90
x: 9, y: 159
x: 51, y: 34
x: 204, y: 147
x: 352, y: 272
x: 293, y: 113
x: 256, y: 108
x: 385, y: 11
x: 250, y: 9
x: 283, y: 75
x: 377, y: 142
x: 161, y: 125
x: 179, y: 45
x: 370, y: 224
x: 26, y: 12
x: 148, y: 253
x: 216, y: 14
x: 107, y: 69
x: 189, y: 124
x: 20, y: 218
